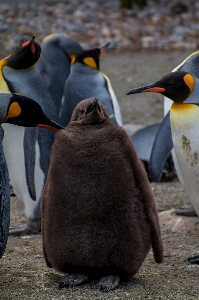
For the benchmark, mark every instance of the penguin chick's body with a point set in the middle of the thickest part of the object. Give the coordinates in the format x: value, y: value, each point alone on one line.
x: 54, y: 63
x: 86, y: 81
x: 99, y: 214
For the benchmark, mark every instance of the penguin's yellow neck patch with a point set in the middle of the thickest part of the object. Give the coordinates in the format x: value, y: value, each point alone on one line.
x: 14, y: 110
x: 189, y: 80
x: 48, y: 37
x: 89, y: 61
x: 3, y: 86
x: 72, y: 59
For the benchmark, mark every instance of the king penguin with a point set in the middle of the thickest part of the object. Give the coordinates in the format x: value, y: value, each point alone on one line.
x: 87, y: 230
x: 18, y: 110
x: 179, y: 129
x: 190, y: 64
x: 86, y: 81
x: 57, y: 50
x: 18, y: 75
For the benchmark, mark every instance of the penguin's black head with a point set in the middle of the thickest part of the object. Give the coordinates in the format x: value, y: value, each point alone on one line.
x: 176, y: 85
x: 90, y: 111
x: 90, y: 57
x: 24, y: 111
x: 25, y: 55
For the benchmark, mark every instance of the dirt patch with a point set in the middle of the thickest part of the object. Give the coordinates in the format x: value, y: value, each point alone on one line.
x: 22, y: 268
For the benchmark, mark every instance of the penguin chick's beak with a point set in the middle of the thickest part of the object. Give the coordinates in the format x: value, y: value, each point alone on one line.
x: 92, y: 106
x: 147, y: 88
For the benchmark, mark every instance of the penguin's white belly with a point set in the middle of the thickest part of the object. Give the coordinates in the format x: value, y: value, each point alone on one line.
x: 167, y: 105
x: 14, y: 155
x: 185, y: 134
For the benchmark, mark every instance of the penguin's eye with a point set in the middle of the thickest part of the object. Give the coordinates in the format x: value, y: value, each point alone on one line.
x: 82, y: 111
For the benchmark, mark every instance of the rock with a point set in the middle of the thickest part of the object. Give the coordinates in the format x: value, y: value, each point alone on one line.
x: 169, y: 221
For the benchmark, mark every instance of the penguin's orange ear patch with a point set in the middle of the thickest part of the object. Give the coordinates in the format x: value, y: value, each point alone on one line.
x: 89, y: 61
x: 72, y: 59
x: 14, y: 110
x: 189, y: 80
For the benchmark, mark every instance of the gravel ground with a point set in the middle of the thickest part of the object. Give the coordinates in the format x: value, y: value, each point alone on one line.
x: 138, y: 36
x: 158, y: 26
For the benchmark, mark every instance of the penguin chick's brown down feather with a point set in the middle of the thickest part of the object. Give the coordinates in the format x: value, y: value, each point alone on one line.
x: 99, y: 214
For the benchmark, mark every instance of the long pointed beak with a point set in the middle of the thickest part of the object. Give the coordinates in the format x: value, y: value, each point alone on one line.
x: 147, y: 88
x: 33, y: 38
x: 92, y: 106
x: 51, y: 125
x: 105, y: 45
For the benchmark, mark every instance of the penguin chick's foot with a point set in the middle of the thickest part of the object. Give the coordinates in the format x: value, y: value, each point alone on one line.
x: 72, y: 280
x: 186, y: 210
x: 33, y: 227
x: 109, y: 283
x: 193, y: 260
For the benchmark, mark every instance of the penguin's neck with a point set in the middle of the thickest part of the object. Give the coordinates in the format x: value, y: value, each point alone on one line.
x: 82, y: 68
x: 194, y: 96
x: 3, y: 86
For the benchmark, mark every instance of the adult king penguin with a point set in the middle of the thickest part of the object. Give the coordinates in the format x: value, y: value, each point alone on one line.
x: 179, y: 129
x: 18, y: 75
x: 88, y: 230
x: 86, y: 81
x: 54, y: 64
x: 190, y: 64
x: 19, y: 110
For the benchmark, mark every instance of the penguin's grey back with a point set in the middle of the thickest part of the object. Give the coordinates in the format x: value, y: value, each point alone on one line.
x: 84, y: 82
x: 54, y: 63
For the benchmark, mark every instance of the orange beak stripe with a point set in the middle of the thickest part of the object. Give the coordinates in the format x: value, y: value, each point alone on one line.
x: 46, y: 127
x: 32, y: 47
x: 155, y: 90
x: 25, y: 44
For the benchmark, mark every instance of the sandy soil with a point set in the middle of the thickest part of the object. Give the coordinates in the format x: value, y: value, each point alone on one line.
x: 22, y: 268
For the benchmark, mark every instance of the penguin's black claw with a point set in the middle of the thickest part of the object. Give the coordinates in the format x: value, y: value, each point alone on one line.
x: 72, y: 280
x: 193, y: 260
x: 32, y: 227
x: 186, y: 210
x: 109, y: 283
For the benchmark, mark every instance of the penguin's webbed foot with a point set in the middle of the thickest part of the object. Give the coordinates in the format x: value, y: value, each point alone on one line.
x: 193, y: 260
x: 33, y: 227
x: 109, y: 283
x: 186, y: 210
x: 72, y: 280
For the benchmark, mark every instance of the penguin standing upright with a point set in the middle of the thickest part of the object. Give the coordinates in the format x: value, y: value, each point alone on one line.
x: 99, y: 217
x: 190, y: 64
x: 179, y: 129
x: 54, y: 63
x: 19, y: 110
x: 86, y: 81
x: 18, y: 75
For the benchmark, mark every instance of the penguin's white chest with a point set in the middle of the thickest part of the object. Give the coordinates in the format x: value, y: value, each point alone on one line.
x: 185, y: 134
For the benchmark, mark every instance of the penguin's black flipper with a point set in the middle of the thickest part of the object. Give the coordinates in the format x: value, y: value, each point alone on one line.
x: 162, y: 146
x: 193, y: 260
x: 4, y: 200
x: 29, y: 143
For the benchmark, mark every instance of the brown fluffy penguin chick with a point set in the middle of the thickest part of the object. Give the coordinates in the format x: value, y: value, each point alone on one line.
x: 99, y: 214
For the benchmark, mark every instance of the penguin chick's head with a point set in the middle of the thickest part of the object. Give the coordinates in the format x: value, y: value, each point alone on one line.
x: 176, y: 85
x: 90, y: 111
x: 25, y: 55
x: 26, y: 112
x: 90, y: 57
